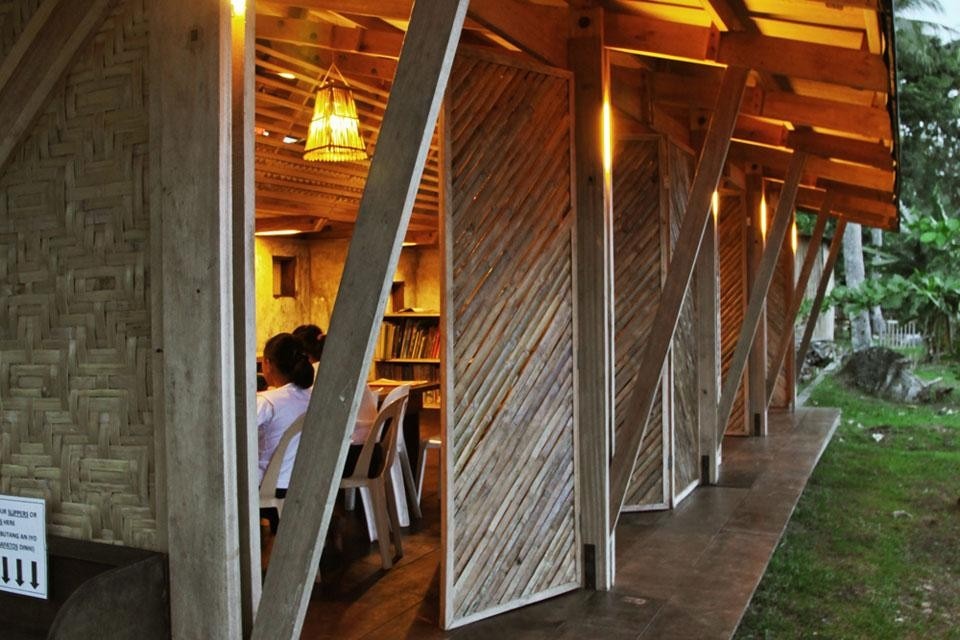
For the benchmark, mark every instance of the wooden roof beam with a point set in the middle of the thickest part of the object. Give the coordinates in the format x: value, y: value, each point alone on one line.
x: 538, y: 30
x: 817, y: 168
x: 868, y: 122
x: 323, y: 34
x: 821, y: 63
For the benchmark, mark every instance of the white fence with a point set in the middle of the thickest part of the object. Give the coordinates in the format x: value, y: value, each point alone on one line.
x: 896, y: 335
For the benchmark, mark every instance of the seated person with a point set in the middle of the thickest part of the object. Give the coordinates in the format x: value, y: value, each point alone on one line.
x: 313, y: 338
x: 286, y: 369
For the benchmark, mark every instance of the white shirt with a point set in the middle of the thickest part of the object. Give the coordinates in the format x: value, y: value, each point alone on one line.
x: 277, y: 409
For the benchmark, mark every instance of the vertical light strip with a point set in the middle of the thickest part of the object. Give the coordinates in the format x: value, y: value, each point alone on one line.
x: 793, y: 236
x: 607, y: 139
x: 715, y: 205
x: 763, y: 213
x: 239, y: 8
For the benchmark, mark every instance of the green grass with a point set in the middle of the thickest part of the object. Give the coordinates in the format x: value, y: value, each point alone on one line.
x: 873, y: 549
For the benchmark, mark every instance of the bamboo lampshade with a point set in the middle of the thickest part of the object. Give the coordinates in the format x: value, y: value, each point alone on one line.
x: 334, y: 134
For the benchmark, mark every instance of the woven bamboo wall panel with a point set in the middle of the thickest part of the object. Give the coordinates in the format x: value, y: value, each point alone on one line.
x: 733, y: 300
x: 75, y: 360
x: 778, y: 299
x: 686, y: 421
x: 637, y: 277
x: 511, y: 499
x: 14, y: 16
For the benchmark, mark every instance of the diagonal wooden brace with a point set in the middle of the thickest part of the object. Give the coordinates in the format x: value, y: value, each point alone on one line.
x: 786, y: 340
x: 408, y: 124
x: 758, y: 294
x: 679, y: 274
x: 832, y: 255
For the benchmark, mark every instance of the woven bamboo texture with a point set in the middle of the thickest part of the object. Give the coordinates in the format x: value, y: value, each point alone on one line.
x: 733, y: 301
x: 511, y: 516
x: 686, y: 425
x: 778, y: 301
x: 14, y: 16
x: 638, y: 272
x: 75, y: 360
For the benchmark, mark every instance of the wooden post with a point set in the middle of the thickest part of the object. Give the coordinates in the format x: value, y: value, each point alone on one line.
x: 709, y: 169
x: 708, y: 353
x: 777, y: 232
x: 594, y: 286
x: 395, y: 172
x: 832, y: 255
x: 757, y: 361
x: 191, y: 173
x: 786, y: 340
x: 244, y: 308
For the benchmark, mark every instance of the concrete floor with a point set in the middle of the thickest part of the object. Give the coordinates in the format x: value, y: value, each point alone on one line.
x: 681, y: 574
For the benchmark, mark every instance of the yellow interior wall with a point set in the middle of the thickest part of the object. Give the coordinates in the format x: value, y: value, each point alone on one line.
x: 319, y: 269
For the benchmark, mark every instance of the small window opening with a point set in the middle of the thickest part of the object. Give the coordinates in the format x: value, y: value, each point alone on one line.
x: 284, y: 277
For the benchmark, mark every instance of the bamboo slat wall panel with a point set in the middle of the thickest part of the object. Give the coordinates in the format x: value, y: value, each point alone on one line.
x: 731, y: 243
x: 75, y: 360
x: 511, y: 521
x: 686, y: 426
x: 638, y: 272
x: 778, y: 299
x: 14, y: 16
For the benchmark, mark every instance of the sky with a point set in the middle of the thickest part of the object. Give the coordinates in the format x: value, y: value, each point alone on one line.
x: 950, y: 16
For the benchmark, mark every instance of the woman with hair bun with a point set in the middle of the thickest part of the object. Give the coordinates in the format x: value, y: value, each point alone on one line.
x: 287, y: 370
x: 313, y: 339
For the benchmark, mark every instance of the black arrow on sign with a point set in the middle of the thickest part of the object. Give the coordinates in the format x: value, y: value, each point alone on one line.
x: 19, y: 572
x: 6, y: 571
x: 33, y: 570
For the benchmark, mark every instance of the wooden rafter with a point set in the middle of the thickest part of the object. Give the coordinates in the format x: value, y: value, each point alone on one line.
x: 535, y: 29
x: 821, y: 63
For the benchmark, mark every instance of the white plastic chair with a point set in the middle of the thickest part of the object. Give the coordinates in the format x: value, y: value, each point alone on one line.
x: 268, y: 486
x: 410, y: 487
x: 433, y: 442
x: 366, y: 414
x: 376, y: 478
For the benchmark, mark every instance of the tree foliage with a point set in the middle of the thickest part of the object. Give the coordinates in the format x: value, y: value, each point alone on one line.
x: 929, y: 105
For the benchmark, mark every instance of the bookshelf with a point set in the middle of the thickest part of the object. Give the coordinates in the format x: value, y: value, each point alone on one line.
x: 409, y: 349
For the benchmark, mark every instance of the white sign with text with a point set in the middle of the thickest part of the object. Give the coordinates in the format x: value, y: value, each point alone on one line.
x: 23, y: 546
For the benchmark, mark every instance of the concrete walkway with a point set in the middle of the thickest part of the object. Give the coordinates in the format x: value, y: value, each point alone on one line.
x: 682, y: 574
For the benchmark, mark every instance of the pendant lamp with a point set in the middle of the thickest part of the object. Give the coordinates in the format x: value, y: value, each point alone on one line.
x: 334, y: 134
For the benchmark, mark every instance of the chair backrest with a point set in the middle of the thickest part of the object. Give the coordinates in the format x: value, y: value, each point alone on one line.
x: 368, y: 405
x: 268, y: 486
x: 385, y: 432
x: 402, y: 391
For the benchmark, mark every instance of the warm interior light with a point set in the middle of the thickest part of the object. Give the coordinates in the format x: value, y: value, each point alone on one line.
x: 278, y: 232
x: 715, y: 204
x: 793, y: 238
x: 286, y: 75
x: 334, y: 134
x: 607, y: 138
x: 239, y: 7
x: 763, y: 216
x: 289, y: 139
x: 407, y: 243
